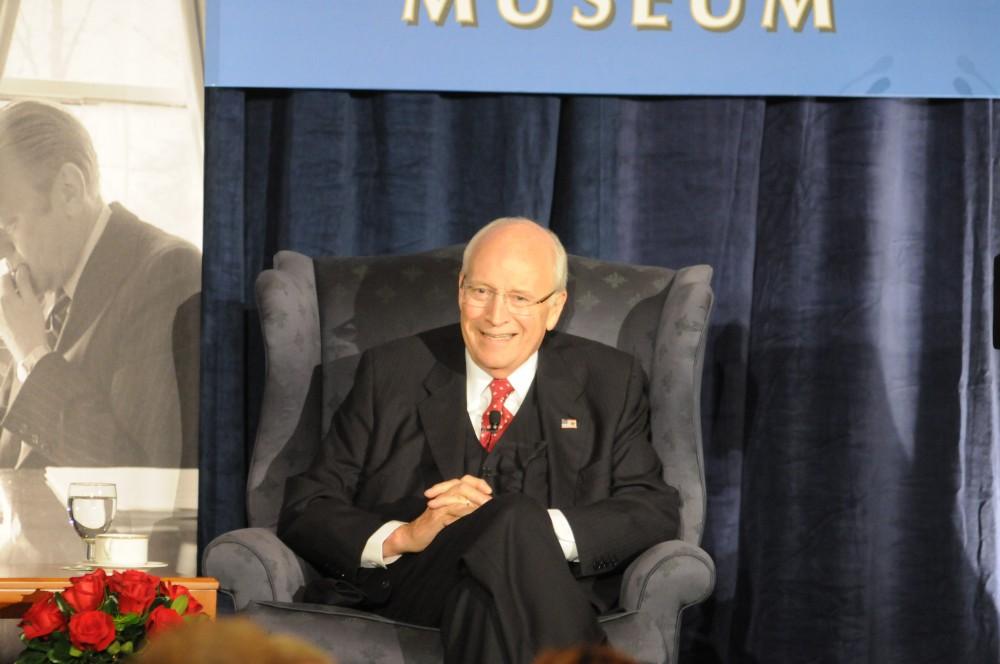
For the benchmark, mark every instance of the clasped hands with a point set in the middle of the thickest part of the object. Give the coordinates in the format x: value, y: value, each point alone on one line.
x: 22, y: 322
x: 447, y: 502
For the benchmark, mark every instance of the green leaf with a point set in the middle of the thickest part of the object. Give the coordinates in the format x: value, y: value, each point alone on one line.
x: 74, y: 652
x: 63, y: 604
x: 115, y: 648
x: 127, y: 648
x: 32, y: 657
x: 34, y: 644
x: 180, y: 604
x: 126, y: 620
x: 60, y: 651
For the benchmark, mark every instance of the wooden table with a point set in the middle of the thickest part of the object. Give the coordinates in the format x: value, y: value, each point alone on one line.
x: 20, y: 586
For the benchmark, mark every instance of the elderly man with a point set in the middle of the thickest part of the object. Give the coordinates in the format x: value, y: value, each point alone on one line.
x: 98, y: 310
x: 498, y: 492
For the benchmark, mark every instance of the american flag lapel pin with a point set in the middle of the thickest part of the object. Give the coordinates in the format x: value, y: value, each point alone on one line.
x: 567, y: 423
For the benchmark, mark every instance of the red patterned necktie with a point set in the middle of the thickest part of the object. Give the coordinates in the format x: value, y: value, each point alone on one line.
x: 500, y: 388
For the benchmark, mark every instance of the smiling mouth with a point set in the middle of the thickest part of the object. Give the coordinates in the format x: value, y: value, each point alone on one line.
x: 498, y: 337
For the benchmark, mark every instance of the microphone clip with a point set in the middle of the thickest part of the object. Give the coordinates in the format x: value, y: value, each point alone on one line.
x: 494, y: 420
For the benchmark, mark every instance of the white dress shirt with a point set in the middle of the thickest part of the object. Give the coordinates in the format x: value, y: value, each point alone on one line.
x: 477, y: 400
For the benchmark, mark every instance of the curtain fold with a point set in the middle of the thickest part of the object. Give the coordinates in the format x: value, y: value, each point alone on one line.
x: 850, y: 398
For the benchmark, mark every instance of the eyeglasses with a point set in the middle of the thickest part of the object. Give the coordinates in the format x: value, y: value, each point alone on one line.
x: 517, y: 303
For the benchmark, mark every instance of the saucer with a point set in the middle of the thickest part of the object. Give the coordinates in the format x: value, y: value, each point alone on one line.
x: 83, y: 566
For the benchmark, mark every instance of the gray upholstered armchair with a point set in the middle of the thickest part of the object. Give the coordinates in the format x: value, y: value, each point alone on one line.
x: 319, y: 314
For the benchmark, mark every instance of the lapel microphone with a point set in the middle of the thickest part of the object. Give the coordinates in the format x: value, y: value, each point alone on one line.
x: 494, y: 424
x: 494, y: 418
x: 486, y: 471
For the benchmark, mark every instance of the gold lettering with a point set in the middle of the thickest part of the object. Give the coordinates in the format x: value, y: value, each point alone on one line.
x: 511, y: 12
x: 701, y: 10
x: 796, y: 11
x: 438, y: 10
x: 602, y: 17
x: 643, y: 17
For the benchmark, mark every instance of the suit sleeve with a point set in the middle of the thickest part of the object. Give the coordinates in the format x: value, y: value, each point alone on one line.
x: 318, y: 519
x: 118, y: 402
x: 635, y: 508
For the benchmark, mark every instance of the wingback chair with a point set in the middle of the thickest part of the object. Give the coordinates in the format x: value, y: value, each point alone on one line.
x: 319, y: 314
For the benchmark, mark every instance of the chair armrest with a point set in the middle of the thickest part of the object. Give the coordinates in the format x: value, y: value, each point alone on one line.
x: 664, y: 580
x: 254, y: 565
x: 673, y: 571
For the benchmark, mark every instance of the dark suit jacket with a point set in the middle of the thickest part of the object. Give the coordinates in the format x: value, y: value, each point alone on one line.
x: 403, y: 428
x: 110, y: 394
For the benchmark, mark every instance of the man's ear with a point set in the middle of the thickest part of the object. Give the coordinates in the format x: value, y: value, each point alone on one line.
x: 559, y: 301
x: 69, y: 189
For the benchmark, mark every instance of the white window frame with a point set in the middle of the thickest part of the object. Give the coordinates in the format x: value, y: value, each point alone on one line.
x: 73, y: 92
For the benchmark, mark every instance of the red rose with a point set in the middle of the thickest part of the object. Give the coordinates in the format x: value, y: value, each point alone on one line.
x: 44, y: 617
x: 174, y: 590
x: 87, y: 591
x: 91, y: 630
x: 162, y: 618
x: 136, y: 590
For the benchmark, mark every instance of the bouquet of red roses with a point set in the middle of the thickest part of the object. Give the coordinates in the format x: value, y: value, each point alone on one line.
x: 102, y: 619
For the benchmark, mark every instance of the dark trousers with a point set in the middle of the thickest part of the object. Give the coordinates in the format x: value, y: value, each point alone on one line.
x: 497, y: 585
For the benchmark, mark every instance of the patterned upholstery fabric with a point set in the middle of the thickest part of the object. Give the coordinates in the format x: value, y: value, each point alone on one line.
x: 318, y: 314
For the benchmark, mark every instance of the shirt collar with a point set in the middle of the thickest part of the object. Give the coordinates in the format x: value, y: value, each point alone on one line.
x: 95, y: 234
x: 477, y: 381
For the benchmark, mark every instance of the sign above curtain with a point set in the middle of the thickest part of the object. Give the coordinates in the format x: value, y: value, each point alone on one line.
x: 917, y: 48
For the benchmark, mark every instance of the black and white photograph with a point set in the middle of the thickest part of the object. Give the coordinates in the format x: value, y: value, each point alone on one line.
x: 101, y: 150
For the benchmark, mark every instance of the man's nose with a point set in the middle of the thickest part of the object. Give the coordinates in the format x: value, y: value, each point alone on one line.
x: 496, y: 310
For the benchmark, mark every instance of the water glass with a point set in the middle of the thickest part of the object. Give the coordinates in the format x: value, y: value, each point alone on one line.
x: 91, y: 508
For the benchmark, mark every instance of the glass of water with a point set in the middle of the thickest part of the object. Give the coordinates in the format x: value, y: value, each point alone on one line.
x: 91, y: 508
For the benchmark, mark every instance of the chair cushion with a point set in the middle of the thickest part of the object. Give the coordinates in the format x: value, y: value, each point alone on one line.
x: 357, y: 637
x: 351, y: 636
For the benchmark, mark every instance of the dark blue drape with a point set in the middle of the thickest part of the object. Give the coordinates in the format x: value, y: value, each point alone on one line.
x: 851, y: 396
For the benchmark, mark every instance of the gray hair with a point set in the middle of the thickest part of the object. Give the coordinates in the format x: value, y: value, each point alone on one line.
x: 560, y: 268
x: 43, y: 137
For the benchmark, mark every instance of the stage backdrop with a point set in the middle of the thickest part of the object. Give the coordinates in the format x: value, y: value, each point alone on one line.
x: 917, y: 48
x: 851, y: 394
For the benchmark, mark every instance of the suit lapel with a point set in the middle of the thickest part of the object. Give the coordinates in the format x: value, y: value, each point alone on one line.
x: 560, y: 391
x: 108, y: 266
x: 443, y: 418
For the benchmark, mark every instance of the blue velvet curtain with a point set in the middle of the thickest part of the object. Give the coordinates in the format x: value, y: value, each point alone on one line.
x: 851, y: 397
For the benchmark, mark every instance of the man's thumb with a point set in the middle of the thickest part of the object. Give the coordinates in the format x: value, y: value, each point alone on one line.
x: 25, y: 285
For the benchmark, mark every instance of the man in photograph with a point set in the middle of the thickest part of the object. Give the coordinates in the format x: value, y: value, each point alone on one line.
x: 98, y: 310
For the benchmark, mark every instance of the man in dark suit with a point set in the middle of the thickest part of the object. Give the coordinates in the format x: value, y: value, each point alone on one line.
x: 98, y: 310
x: 498, y: 492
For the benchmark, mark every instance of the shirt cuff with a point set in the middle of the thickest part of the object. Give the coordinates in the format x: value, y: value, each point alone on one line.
x: 371, y: 555
x: 25, y: 366
x: 564, y: 533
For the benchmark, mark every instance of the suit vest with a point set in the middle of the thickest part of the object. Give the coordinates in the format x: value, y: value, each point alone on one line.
x: 518, y: 463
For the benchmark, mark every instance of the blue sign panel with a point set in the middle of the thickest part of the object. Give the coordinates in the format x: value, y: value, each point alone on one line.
x: 897, y: 48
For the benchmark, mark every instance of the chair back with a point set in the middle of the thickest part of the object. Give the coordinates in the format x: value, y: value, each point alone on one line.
x: 318, y: 315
